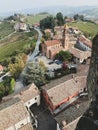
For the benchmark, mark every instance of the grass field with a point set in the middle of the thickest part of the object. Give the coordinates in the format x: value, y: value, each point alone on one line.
x: 88, y: 28
x: 5, y: 29
x: 18, y: 42
x: 35, y: 18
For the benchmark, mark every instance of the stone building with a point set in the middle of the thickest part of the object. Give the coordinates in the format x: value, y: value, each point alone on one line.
x: 14, y: 116
x: 84, y: 44
x: 29, y: 95
x: 58, y: 94
x: 60, y: 42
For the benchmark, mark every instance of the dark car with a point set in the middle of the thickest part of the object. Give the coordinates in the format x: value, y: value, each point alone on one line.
x: 51, y: 62
x: 58, y: 62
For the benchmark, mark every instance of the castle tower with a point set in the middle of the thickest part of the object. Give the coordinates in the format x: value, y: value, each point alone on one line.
x: 65, y: 41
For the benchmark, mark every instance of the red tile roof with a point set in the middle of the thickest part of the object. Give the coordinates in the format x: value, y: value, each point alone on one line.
x: 85, y: 41
x: 1, y: 68
x: 80, y: 54
x: 47, y: 31
x: 52, y: 42
x: 66, y: 89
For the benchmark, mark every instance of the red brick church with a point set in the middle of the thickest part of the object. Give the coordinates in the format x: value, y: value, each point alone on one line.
x: 51, y: 47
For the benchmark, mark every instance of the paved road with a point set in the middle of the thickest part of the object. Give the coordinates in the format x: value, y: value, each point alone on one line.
x: 36, y: 51
x: 19, y: 84
x: 44, y: 118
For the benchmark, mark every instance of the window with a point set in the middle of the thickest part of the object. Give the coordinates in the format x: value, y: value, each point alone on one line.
x: 35, y: 98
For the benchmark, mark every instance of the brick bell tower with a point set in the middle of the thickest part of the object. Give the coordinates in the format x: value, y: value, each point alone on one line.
x: 65, y: 40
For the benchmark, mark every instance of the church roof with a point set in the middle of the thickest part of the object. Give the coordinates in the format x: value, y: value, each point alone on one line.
x: 52, y: 42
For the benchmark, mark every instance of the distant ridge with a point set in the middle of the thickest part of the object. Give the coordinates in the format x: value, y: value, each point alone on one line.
x: 89, y: 11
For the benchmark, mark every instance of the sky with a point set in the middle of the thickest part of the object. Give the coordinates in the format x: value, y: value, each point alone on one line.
x: 14, y: 5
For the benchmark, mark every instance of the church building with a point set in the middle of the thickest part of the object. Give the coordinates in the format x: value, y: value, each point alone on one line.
x: 51, y: 47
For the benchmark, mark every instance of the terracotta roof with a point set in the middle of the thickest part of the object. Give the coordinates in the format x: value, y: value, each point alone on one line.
x: 58, y: 28
x: 11, y: 112
x: 85, y: 41
x: 72, y: 114
x: 62, y: 91
x: 47, y: 30
x: 27, y: 127
x: 26, y: 94
x: 1, y: 68
x: 29, y: 92
x: 80, y: 54
x: 52, y: 42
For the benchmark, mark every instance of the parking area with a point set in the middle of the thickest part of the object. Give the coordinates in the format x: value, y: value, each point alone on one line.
x: 51, y: 65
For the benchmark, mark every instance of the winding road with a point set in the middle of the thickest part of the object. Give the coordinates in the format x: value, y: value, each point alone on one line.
x: 36, y: 51
x: 19, y: 84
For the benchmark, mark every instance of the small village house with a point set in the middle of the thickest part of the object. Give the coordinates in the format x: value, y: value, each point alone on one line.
x: 78, y: 55
x: 29, y: 95
x: 20, y: 26
x: 14, y: 115
x: 58, y: 92
x: 84, y: 44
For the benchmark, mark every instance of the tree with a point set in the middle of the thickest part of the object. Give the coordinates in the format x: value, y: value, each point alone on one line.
x: 6, y: 86
x: 34, y: 72
x: 64, y: 56
x: 47, y: 23
x: 76, y: 17
x: 47, y: 36
x: 60, y: 20
x: 17, y: 67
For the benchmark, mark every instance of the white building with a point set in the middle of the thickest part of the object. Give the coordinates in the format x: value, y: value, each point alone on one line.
x: 84, y: 44
x: 30, y: 95
x: 20, y: 26
x: 14, y: 116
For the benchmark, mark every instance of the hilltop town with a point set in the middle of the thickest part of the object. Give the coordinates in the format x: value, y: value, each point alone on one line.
x: 43, y: 85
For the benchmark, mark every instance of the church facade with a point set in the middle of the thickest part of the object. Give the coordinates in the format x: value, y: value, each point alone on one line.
x: 51, y: 47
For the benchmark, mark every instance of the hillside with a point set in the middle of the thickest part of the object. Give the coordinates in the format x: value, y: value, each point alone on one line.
x: 88, y: 28
x: 17, y: 43
x: 31, y: 19
x: 5, y: 29
x: 90, y: 13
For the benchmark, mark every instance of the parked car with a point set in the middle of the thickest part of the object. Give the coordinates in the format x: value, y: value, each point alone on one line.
x: 51, y: 62
x: 58, y: 62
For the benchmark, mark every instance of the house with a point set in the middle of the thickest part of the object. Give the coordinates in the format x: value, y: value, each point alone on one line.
x: 62, y: 92
x: 79, y: 56
x: 14, y: 115
x: 69, y: 20
x: 20, y: 26
x: 1, y: 69
x: 36, y: 25
x: 68, y: 119
x: 83, y: 43
x: 51, y: 47
x: 47, y: 31
x: 29, y: 95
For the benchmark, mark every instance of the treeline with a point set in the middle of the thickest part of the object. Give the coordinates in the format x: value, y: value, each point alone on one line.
x: 50, y: 22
